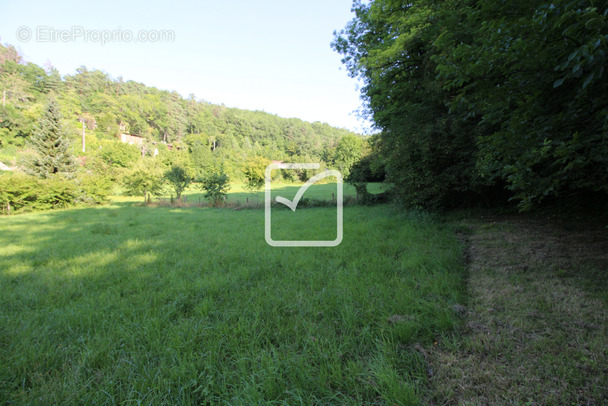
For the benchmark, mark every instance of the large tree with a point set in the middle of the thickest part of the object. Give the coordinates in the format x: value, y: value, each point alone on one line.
x: 429, y: 154
x: 477, y: 93
x: 51, y: 147
x: 144, y: 179
x: 532, y: 74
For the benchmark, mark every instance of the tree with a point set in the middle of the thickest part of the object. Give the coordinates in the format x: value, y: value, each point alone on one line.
x: 216, y: 185
x: 366, y: 170
x: 429, y: 154
x: 471, y: 96
x: 119, y: 154
x: 144, y: 179
x: 51, y: 146
x: 531, y: 74
x: 179, y: 177
x: 254, y: 171
x: 347, y: 152
x: 200, y: 154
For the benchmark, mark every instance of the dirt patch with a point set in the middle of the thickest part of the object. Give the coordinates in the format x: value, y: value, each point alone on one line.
x: 535, y: 331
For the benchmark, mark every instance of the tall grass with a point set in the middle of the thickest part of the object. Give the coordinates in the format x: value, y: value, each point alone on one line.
x: 138, y: 305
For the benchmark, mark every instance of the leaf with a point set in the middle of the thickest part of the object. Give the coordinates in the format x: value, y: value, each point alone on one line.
x: 558, y: 82
x: 593, y: 23
x: 588, y: 79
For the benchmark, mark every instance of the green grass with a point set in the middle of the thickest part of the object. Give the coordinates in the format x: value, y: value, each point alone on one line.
x: 239, y: 194
x: 127, y: 304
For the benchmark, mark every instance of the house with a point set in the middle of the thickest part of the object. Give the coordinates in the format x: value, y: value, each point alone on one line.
x: 137, y: 141
x: 132, y: 139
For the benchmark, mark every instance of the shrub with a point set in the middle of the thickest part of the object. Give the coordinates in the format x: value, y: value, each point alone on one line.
x: 255, y: 173
x: 119, y: 154
x: 17, y: 191
x: 144, y: 179
x: 21, y: 193
x: 216, y: 186
x: 179, y: 177
x: 94, y: 189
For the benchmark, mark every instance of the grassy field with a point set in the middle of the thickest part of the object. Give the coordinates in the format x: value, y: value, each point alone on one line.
x: 238, y: 194
x: 152, y: 305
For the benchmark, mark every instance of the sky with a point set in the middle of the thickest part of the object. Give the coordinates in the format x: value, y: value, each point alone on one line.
x: 270, y: 55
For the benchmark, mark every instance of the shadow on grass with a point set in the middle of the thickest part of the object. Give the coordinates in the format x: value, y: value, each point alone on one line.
x: 189, y: 306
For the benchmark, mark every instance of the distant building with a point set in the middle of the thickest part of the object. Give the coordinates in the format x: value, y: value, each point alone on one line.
x: 137, y: 141
x: 132, y: 139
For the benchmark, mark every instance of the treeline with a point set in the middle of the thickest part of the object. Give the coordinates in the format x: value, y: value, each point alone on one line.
x: 185, y: 141
x: 481, y: 100
x: 109, y: 106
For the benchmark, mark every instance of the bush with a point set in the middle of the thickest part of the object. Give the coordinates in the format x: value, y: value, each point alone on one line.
x: 216, y: 186
x: 255, y: 173
x: 361, y: 174
x: 20, y: 193
x: 179, y: 177
x: 145, y: 179
x: 17, y: 192
x: 94, y: 189
x: 119, y: 154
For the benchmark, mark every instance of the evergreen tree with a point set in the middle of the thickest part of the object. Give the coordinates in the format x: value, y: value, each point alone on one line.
x: 51, y: 145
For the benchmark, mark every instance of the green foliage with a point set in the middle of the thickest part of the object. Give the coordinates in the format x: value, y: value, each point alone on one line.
x: 255, y: 173
x: 180, y: 171
x: 51, y: 146
x: 119, y: 154
x: 144, y: 179
x: 428, y: 153
x: 5, y: 137
x: 23, y: 193
x: 348, y: 151
x: 216, y: 185
x: 211, y: 135
x: 472, y: 95
x: 95, y: 188
x: 56, y: 193
x: 17, y: 191
x: 363, y: 172
x: 179, y: 177
x: 201, y: 155
x: 533, y: 78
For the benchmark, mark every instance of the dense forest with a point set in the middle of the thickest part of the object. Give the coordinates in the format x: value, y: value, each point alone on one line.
x: 481, y: 100
x: 109, y: 106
